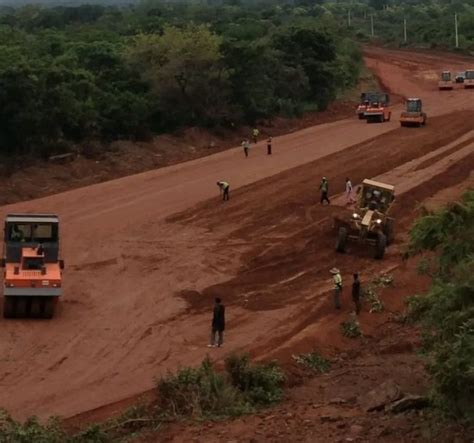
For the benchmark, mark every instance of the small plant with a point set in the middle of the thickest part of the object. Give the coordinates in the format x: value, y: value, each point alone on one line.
x: 382, y: 280
x: 313, y: 361
x: 351, y: 328
x: 376, y: 304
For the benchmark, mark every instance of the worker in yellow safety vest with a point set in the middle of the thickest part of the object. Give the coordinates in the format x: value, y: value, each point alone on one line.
x: 224, y: 188
x: 337, y: 287
x: 255, y: 134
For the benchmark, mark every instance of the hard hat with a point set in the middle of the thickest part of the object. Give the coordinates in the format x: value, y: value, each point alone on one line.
x: 334, y: 271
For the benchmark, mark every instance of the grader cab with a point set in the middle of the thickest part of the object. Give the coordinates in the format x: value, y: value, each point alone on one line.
x: 369, y: 223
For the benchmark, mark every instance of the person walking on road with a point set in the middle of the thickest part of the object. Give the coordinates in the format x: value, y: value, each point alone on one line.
x: 224, y: 187
x: 324, y: 188
x: 246, y: 146
x: 356, y: 293
x: 337, y: 287
x: 218, y: 325
x: 269, y: 146
x: 349, y: 197
x: 255, y: 134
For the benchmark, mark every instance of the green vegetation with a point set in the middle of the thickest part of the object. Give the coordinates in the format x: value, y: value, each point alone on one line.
x: 370, y: 293
x: 447, y: 311
x: 351, y: 328
x: 192, y: 393
x: 69, y: 75
x: 430, y: 23
x: 313, y: 361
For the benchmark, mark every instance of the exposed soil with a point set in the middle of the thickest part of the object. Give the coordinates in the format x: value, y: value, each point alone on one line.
x: 146, y: 254
x: 99, y: 163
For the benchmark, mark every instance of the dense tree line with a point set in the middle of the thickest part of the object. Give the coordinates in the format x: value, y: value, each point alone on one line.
x: 429, y: 23
x: 69, y: 74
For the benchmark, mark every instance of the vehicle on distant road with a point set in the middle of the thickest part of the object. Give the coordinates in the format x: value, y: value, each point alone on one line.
x: 460, y: 77
x: 445, y: 83
x: 469, y: 79
x: 365, y: 99
x: 414, y: 115
x: 378, y: 110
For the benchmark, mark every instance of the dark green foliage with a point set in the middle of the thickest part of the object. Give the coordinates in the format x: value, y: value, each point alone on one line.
x: 447, y: 311
x: 261, y: 384
x: 94, y: 72
x: 200, y: 392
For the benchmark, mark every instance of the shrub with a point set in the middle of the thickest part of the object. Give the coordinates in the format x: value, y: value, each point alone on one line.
x: 447, y: 311
x: 261, y: 384
x: 200, y: 392
x: 351, y: 328
x: 313, y: 361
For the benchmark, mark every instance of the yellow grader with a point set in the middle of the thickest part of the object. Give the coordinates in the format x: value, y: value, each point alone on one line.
x: 369, y: 222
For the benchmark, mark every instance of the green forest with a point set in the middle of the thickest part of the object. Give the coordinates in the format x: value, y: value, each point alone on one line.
x: 71, y: 74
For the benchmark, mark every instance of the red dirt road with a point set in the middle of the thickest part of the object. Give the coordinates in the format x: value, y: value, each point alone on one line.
x: 146, y: 254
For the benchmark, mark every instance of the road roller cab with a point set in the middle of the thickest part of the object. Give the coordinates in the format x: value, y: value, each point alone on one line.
x: 445, y: 82
x: 369, y: 222
x: 414, y: 115
x: 33, y: 268
x: 378, y: 110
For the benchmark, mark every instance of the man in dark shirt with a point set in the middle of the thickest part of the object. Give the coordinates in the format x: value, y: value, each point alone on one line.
x: 356, y: 293
x: 218, y: 324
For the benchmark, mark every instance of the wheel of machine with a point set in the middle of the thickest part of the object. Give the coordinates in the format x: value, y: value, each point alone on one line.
x: 380, y: 246
x: 21, y: 307
x: 382, y: 118
x: 8, y: 307
x: 361, y: 116
x: 35, y: 310
x: 342, y: 240
x: 388, y: 231
x: 49, y: 304
x: 389, y: 116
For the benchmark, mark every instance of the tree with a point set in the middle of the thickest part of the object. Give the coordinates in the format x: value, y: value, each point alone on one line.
x: 185, y: 70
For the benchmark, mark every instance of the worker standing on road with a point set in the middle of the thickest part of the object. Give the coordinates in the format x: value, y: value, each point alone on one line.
x: 246, y: 146
x: 255, y: 134
x: 349, y: 197
x: 337, y: 287
x: 269, y: 146
x: 224, y: 188
x: 324, y: 188
x: 218, y: 325
x: 356, y: 293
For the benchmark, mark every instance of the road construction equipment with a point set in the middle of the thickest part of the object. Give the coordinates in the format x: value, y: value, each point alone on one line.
x: 369, y: 223
x: 33, y: 268
x: 460, y: 77
x: 414, y: 115
x: 469, y: 79
x: 365, y: 99
x: 378, y: 110
x: 445, y: 83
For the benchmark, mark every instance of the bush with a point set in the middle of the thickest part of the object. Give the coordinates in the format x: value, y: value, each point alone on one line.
x: 313, y: 361
x: 351, y: 328
x: 200, y: 392
x: 447, y: 311
x: 261, y: 384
